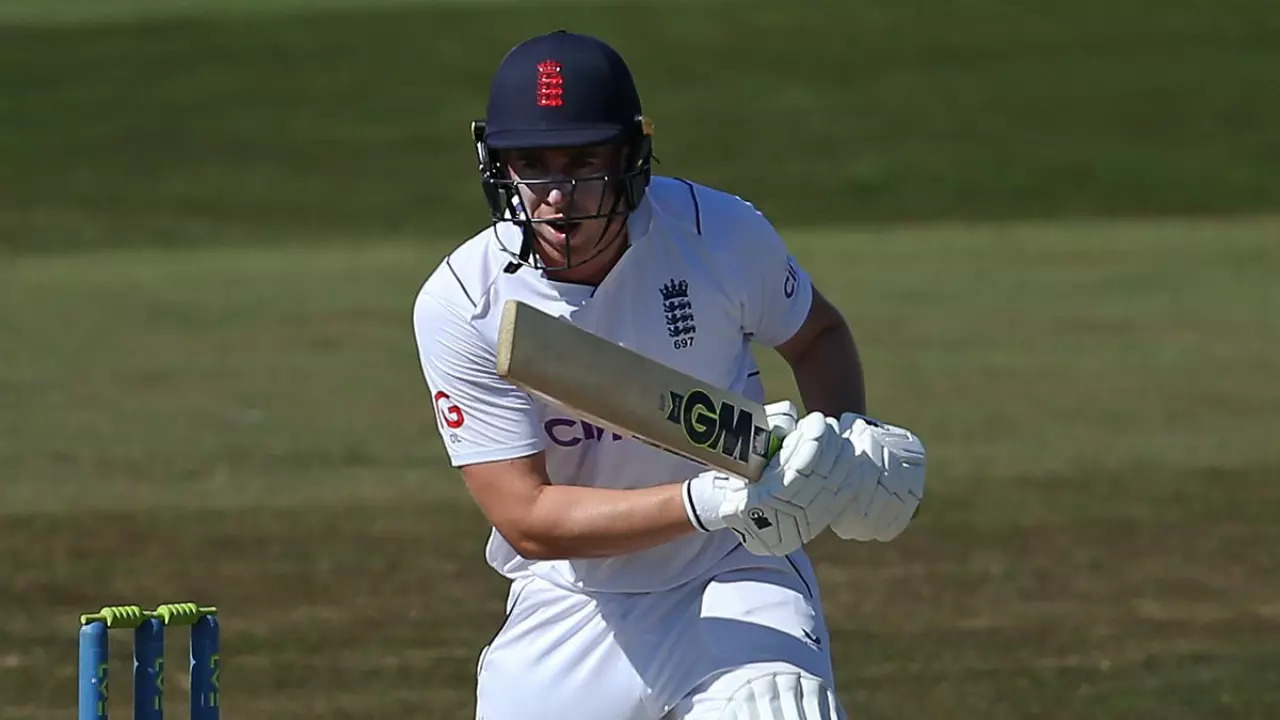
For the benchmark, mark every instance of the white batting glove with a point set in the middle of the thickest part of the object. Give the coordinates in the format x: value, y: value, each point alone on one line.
x: 803, y: 488
x: 898, y: 459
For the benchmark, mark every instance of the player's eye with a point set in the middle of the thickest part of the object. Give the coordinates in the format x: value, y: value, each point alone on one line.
x: 527, y: 165
x: 530, y: 167
x: 590, y: 163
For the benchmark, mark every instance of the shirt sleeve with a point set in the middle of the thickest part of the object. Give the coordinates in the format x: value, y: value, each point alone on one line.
x: 480, y: 416
x: 777, y: 291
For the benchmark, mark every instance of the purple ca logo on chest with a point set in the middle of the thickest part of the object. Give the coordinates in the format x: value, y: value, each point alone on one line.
x: 567, y: 432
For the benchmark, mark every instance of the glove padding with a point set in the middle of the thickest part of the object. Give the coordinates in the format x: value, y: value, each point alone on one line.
x: 898, y: 457
x: 812, y: 478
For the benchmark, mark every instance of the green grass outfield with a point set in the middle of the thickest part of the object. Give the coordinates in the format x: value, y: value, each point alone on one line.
x: 63, y: 12
x: 231, y: 124
x: 248, y: 427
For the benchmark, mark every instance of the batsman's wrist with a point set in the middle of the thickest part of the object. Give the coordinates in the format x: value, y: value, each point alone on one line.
x: 701, y: 504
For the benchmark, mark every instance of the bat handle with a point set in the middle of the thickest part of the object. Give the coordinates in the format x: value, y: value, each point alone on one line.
x: 775, y: 444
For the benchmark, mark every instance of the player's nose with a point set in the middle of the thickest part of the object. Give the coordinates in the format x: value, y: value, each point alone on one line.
x: 558, y: 197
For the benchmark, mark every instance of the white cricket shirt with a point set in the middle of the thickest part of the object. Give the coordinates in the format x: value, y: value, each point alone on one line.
x: 705, y: 274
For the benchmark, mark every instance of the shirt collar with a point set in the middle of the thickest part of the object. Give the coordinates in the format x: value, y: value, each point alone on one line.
x: 640, y: 220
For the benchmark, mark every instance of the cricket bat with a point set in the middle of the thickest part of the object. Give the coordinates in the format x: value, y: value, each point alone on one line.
x: 631, y: 394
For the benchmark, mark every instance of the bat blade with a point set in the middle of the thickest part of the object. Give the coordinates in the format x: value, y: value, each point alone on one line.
x: 631, y: 394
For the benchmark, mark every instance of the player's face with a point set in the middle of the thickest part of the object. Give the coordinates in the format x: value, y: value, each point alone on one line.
x: 561, y: 185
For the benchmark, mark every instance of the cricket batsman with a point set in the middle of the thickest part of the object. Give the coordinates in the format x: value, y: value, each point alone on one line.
x: 643, y: 585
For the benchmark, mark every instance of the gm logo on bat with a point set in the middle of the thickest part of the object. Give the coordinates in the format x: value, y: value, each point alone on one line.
x: 723, y: 427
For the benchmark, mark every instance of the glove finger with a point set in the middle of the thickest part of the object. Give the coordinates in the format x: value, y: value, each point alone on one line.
x: 884, y: 520
x: 815, y: 431
x: 834, y: 424
x: 841, y: 474
x: 781, y: 417
x: 881, y: 511
x: 845, y: 520
x: 846, y: 509
x: 900, y: 523
x: 851, y: 525
x: 800, y: 448
x: 787, y: 451
x: 827, y: 499
x: 812, y: 426
x: 845, y: 423
x: 862, y: 507
x: 841, y: 485
x: 790, y: 443
x: 798, y: 455
x: 829, y: 451
x: 802, y: 486
x: 821, y: 512
x: 789, y: 484
x: 800, y: 490
x: 863, y: 439
x: 892, y: 525
x: 864, y: 479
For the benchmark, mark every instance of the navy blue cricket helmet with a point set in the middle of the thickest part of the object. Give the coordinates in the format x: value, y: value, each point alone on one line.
x: 563, y: 90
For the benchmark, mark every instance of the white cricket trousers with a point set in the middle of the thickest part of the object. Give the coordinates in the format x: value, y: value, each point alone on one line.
x: 563, y: 655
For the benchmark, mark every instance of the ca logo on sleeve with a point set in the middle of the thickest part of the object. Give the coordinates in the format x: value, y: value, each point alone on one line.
x: 793, y: 277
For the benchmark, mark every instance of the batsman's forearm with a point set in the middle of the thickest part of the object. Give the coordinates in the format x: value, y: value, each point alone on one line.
x: 568, y: 521
x: 829, y: 374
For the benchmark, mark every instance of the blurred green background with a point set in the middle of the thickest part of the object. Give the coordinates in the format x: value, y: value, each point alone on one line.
x: 1054, y: 227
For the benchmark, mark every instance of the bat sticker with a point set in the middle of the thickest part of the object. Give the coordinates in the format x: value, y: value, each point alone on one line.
x: 725, y: 427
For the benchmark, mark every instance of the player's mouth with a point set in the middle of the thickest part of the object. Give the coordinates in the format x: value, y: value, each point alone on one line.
x: 563, y: 229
